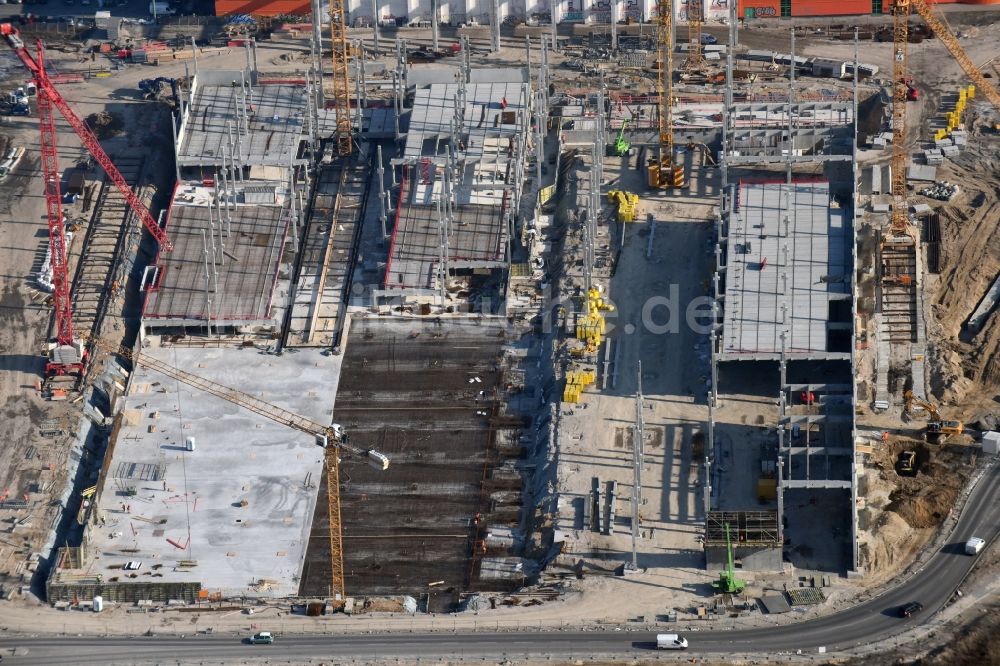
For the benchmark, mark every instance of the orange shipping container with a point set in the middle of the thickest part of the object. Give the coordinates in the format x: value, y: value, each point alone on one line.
x: 263, y: 7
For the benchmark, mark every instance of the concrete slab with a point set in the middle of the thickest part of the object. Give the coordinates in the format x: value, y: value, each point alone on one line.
x: 246, y: 249
x: 787, y: 258
x: 187, y: 504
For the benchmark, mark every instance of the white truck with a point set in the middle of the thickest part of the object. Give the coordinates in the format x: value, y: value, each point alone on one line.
x: 160, y: 9
x: 670, y: 642
x: 974, y: 545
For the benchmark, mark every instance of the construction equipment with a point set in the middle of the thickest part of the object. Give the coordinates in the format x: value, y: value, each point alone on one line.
x: 590, y: 326
x: 903, y: 91
x: 936, y: 426
x: 153, y: 88
x: 67, y: 356
x: 577, y: 381
x: 332, y: 438
x: 17, y: 104
x: 628, y: 204
x: 662, y: 172
x: 341, y: 80
x: 622, y: 146
x: 906, y: 464
x: 728, y: 583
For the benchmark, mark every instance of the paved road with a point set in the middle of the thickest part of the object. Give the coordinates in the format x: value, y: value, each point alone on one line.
x: 867, y: 622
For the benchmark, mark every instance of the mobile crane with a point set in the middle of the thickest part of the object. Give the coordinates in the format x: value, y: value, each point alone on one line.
x: 332, y: 438
x: 67, y: 357
x: 728, y: 583
x: 936, y: 426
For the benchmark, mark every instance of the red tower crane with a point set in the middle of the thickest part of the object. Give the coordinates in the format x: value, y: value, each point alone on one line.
x: 67, y: 358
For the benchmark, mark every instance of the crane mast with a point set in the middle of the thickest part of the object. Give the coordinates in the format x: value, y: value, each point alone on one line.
x: 661, y: 172
x: 54, y: 218
x: 62, y: 363
x: 900, y: 79
x: 341, y: 80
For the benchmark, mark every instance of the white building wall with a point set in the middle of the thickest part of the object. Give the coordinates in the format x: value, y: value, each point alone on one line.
x: 566, y: 11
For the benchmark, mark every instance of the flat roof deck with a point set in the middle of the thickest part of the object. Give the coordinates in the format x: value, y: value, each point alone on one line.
x: 486, y: 106
x: 788, y: 250
x: 275, y: 127
x: 247, y: 265
x: 188, y: 504
x: 476, y: 240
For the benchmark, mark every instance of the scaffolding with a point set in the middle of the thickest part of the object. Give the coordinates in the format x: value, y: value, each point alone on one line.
x: 747, y: 528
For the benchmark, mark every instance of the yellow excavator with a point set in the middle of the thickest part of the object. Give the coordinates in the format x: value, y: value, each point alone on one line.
x: 936, y: 426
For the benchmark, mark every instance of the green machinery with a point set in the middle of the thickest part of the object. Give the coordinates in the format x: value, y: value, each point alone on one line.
x: 728, y: 583
x: 622, y: 145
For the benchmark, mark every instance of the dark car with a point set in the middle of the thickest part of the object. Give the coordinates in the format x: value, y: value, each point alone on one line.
x: 421, y: 56
x: 911, y: 608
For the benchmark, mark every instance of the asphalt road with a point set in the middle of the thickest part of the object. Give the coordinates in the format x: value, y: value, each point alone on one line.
x: 865, y: 623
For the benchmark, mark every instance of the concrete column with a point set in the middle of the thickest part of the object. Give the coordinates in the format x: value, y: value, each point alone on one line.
x: 495, y: 20
x: 781, y: 497
x: 383, y: 204
x: 375, y: 20
x: 435, y: 20
x: 317, y: 25
x: 614, y: 25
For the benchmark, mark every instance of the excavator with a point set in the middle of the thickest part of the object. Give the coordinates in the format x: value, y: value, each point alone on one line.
x: 936, y: 426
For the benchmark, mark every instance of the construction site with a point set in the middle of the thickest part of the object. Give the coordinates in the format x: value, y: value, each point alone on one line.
x: 647, y: 312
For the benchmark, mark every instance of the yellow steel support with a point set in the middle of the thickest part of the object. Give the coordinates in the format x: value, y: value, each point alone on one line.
x: 341, y: 81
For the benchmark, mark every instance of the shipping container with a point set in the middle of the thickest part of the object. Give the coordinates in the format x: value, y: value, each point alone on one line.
x: 75, y: 182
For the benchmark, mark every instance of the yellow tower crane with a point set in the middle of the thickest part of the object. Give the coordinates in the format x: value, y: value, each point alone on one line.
x: 332, y: 438
x: 341, y: 80
x: 901, y: 81
x: 662, y: 172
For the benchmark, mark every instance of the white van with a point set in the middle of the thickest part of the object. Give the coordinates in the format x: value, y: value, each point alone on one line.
x: 670, y: 642
x: 974, y: 545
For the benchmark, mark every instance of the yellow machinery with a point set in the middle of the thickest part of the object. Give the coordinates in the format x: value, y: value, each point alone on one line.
x: 590, y: 326
x: 331, y: 437
x: 662, y: 172
x: 954, y: 118
x: 628, y: 204
x: 577, y: 381
x: 901, y: 81
x: 341, y: 81
x: 936, y: 426
x: 906, y: 464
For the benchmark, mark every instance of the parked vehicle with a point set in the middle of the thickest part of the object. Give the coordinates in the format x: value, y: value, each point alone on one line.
x: 671, y: 642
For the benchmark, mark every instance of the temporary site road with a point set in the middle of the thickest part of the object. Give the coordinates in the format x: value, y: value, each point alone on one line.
x: 934, y: 585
